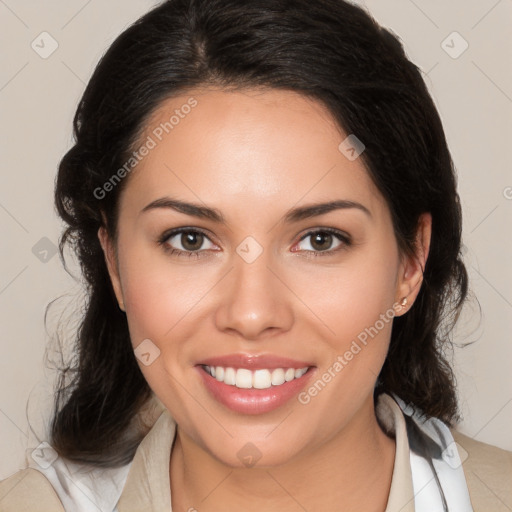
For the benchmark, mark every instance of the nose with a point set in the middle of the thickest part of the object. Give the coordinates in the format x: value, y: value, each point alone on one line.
x: 255, y: 301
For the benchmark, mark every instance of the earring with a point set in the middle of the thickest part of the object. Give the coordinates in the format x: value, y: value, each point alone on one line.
x: 403, y: 302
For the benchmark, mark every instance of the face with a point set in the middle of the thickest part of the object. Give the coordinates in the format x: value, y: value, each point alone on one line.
x: 227, y: 264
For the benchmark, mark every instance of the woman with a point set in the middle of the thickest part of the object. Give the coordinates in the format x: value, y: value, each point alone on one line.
x: 265, y: 210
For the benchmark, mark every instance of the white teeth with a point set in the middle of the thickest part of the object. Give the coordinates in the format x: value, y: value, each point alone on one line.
x: 278, y: 377
x: 262, y: 379
x: 258, y: 379
x: 289, y: 375
x: 219, y: 373
x: 243, y: 378
x: 300, y: 372
x: 229, y: 376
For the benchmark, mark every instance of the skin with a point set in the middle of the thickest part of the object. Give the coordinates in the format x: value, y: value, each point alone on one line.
x: 253, y: 155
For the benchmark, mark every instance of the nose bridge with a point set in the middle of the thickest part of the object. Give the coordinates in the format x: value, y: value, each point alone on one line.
x: 255, y: 299
x: 253, y: 278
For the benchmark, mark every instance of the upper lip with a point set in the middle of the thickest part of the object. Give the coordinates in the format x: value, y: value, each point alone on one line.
x: 254, y: 361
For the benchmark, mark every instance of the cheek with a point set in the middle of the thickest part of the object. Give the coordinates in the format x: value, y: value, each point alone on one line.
x: 158, y: 295
x: 355, y: 305
x: 160, y: 301
x: 351, y: 296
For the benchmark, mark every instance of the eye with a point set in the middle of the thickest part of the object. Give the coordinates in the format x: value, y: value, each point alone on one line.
x: 185, y: 242
x: 325, y: 240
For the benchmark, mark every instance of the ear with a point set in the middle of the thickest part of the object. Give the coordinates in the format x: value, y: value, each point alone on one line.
x: 110, y: 259
x: 412, y: 267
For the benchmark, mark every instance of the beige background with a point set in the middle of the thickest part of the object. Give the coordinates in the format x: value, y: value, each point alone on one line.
x: 38, y: 98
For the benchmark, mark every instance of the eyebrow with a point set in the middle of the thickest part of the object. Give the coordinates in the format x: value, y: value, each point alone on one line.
x: 293, y: 215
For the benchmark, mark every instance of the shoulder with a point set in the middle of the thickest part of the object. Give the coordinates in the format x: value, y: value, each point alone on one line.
x: 488, y: 472
x: 28, y: 490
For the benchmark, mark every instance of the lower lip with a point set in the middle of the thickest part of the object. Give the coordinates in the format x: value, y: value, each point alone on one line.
x: 254, y: 401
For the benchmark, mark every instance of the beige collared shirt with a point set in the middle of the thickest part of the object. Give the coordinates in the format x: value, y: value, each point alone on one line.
x: 151, y: 466
x: 147, y: 486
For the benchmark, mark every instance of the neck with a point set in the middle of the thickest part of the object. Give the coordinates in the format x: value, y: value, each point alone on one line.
x: 350, y: 471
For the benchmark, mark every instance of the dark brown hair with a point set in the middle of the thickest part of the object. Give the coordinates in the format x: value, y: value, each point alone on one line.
x: 329, y: 50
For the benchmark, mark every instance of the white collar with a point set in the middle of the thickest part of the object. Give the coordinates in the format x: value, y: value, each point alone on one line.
x: 144, y: 483
x: 437, y: 473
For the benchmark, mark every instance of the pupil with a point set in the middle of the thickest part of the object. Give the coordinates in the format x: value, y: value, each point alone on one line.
x: 191, y: 241
x: 319, y: 238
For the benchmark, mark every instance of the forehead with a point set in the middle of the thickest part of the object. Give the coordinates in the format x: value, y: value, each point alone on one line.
x: 247, y: 148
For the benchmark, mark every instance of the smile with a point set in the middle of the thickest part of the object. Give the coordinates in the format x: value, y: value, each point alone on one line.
x: 244, y: 378
x: 254, y: 385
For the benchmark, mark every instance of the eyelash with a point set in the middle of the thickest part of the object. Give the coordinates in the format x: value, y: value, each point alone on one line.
x: 342, y: 237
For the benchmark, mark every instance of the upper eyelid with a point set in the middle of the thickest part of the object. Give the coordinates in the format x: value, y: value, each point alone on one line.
x: 169, y: 233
